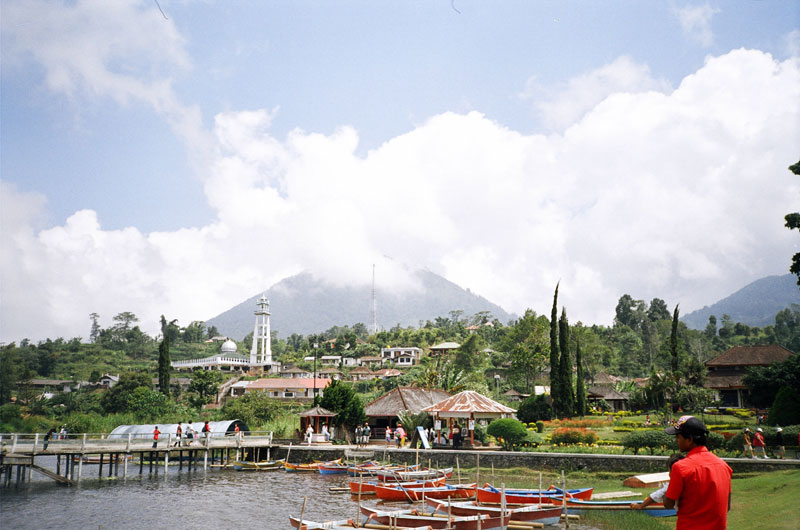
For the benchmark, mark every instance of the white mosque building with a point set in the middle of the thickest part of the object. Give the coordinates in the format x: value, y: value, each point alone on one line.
x: 228, y: 359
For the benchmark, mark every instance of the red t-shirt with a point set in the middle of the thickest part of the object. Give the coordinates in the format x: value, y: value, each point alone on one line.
x: 701, y: 483
x: 758, y: 440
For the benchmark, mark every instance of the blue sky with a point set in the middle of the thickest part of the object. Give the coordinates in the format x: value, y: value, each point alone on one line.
x: 177, y: 165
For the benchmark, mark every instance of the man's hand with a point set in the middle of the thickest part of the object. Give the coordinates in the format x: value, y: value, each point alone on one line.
x: 637, y: 506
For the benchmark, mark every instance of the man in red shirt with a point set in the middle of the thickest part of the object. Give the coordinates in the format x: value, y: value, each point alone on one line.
x: 700, y: 483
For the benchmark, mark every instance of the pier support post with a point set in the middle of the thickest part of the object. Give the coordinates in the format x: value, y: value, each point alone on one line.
x: 80, y: 466
x: 125, y: 467
x: 166, y: 462
x: 14, y: 443
x: 205, y: 459
x: 141, y: 462
x: 100, y: 467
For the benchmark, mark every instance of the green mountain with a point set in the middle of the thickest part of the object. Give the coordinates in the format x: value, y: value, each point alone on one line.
x: 755, y: 304
x: 302, y: 304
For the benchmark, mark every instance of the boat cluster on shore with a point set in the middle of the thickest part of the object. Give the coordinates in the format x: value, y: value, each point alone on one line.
x: 437, y: 504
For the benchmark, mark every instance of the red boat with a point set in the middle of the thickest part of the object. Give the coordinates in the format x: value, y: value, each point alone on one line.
x: 491, y: 495
x: 339, y: 525
x: 414, y: 518
x: 546, y: 515
x: 421, y: 474
x: 368, y: 488
x: 395, y: 493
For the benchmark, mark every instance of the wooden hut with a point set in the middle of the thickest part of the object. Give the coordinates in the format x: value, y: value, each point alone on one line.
x: 468, y: 405
x: 316, y: 417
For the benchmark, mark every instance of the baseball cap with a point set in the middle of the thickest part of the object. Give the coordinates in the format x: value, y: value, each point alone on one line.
x: 778, y: 430
x: 759, y: 430
x: 687, y: 425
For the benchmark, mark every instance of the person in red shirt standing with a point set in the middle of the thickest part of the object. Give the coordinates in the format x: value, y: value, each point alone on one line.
x: 156, y: 432
x: 700, y: 483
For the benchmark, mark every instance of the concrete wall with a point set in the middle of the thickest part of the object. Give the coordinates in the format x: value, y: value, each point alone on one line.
x: 508, y: 459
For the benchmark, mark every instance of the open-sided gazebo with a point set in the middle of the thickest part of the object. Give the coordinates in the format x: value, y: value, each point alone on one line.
x: 469, y: 405
x: 312, y: 417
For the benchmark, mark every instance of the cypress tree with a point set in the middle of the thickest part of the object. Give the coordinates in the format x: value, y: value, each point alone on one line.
x: 580, y: 390
x: 673, y: 344
x: 565, y: 368
x: 163, y: 366
x: 554, y: 368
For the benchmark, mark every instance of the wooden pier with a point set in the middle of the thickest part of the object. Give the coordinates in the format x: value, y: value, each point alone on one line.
x: 19, y: 454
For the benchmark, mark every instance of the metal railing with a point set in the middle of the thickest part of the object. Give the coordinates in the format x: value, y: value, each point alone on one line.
x: 34, y: 443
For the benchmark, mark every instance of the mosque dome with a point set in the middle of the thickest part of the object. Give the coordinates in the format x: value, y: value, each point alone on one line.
x: 228, y: 347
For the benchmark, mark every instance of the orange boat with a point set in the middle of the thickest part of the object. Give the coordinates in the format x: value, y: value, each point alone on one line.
x: 455, y: 491
x: 313, y: 466
x: 368, y: 488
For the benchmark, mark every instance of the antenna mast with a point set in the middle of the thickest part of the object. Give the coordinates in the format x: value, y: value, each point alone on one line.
x: 374, y: 309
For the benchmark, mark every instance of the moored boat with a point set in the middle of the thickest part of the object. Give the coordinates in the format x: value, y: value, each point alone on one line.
x: 267, y: 465
x: 448, y: 491
x: 578, y: 505
x: 490, y: 494
x: 312, y: 467
x: 546, y: 515
x: 340, y: 525
x: 415, y: 518
x: 419, y: 474
x: 368, y: 487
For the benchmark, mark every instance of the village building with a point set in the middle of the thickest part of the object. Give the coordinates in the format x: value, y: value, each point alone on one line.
x: 295, y: 373
x: 444, y: 348
x: 616, y: 400
x: 362, y: 373
x: 401, y: 357
x: 382, y: 412
x: 387, y: 373
x: 329, y: 373
x: 282, y: 388
x: 515, y: 397
x: 726, y: 370
x: 330, y: 360
x: 369, y: 360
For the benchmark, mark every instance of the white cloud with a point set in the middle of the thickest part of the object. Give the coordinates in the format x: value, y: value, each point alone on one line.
x: 677, y: 194
x: 563, y: 104
x: 696, y: 22
x: 792, y: 43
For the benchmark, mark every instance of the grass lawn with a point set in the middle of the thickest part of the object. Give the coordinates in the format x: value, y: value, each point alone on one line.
x: 763, y: 500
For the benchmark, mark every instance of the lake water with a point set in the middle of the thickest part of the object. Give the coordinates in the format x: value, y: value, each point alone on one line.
x: 200, y: 499
x: 184, y: 499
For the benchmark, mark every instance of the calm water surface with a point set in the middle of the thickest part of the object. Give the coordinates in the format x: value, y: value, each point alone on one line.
x: 200, y: 499
x: 182, y: 499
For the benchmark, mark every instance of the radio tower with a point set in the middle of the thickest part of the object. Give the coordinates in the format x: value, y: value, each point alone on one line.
x: 374, y: 309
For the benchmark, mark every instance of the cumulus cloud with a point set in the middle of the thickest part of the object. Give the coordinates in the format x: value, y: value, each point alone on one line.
x: 696, y: 22
x: 671, y: 193
x: 562, y: 104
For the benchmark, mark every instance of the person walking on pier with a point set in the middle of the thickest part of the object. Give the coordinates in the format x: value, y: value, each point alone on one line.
x: 388, y: 435
x: 178, y: 434
x: 700, y: 484
x: 206, y: 432
x: 156, y: 432
x: 47, y: 437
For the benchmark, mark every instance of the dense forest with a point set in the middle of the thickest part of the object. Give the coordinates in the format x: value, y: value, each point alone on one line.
x: 645, y: 340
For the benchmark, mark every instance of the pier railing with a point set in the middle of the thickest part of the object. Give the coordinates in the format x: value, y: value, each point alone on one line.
x: 34, y: 443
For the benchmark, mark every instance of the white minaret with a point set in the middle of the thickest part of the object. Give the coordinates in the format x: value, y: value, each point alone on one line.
x: 261, y: 352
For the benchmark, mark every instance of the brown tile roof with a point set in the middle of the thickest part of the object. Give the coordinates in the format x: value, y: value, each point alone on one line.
x: 605, y: 392
x: 317, y: 411
x: 759, y: 355
x: 361, y: 370
x: 404, y: 398
x: 724, y: 382
x: 471, y: 402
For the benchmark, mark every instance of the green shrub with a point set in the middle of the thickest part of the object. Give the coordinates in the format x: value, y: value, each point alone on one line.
x: 650, y: 440
x: 572, y: 436
x: 508, y: 431
x: 535, y: 408
x: 785, y: 409
x: 540, y: 426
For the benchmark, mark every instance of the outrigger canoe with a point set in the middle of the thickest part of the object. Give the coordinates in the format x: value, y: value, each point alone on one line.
x: 448, y: 491
x: 420, y: 474
x: 368, y: 488
x: 339, y: 525
x: 491, y: 495
x: 414, y: 518
x: 314, y: 466
x: 269, y: 465
x: 578, y: 505
x: 533, y: 513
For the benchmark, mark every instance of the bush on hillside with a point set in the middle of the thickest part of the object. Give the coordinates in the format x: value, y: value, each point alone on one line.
x: 650, y: 440
x: 572, y: 436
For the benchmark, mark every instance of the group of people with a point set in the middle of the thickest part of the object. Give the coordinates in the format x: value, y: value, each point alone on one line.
x: 308, y: 436
x: 751, y: 441
x: 362, y: 433
x: 189, y: 434
x: 398, y: 435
